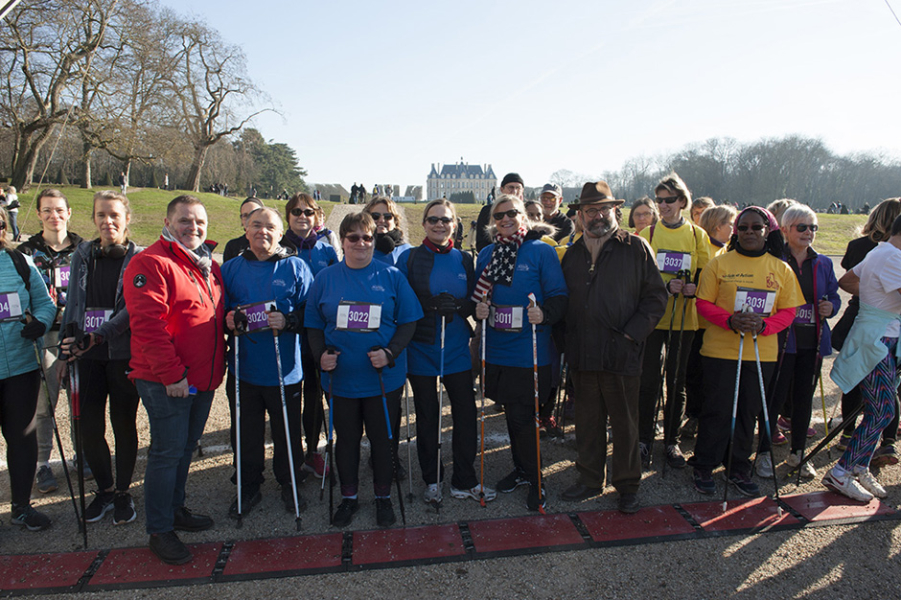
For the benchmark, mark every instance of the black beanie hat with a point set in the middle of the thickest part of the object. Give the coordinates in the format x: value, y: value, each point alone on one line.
x: 512, y: 178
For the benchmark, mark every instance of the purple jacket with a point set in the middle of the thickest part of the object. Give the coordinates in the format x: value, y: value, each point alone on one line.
x: 824, y: 284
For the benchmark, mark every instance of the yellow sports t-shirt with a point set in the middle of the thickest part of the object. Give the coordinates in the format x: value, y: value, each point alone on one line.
x: 765, y: 283
x: 714, y: 251
x: 686, y: 247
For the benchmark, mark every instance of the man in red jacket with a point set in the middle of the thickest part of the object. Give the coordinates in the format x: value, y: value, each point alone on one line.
x: 173, y: 292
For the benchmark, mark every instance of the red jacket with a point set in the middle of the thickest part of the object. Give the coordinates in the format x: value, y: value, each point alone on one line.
x: 176, y: 317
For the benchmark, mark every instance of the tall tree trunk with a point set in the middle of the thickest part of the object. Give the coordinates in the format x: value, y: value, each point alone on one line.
x: 26, y: 157
x: 87, y: 154
x: 193, y: 181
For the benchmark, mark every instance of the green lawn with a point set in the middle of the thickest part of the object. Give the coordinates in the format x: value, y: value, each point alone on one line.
x: 149, y: 206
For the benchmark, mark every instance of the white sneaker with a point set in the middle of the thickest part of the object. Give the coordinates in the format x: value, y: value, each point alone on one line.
x: 432, y: 494
x: 765, y: 465
x: 474, y: 493
x: 870, y: 484
x: 846, y: 486
x: 794, y: 459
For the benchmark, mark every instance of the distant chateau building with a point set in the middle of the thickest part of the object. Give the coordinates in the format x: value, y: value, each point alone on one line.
x: 460, y: 177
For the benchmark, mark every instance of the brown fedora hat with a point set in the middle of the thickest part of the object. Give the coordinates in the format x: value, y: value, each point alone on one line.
x: 596, y: 193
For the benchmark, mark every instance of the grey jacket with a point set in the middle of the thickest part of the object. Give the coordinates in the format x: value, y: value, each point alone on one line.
x: 116, y: 331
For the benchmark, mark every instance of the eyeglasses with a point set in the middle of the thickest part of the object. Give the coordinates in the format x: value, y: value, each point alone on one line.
x: 670, y: 200
x: 435, y: 220
x: 353, y: 238
x: 755, y: 227
x: 802, y: 227
x: 377, y: 216
x: 309, y: 212
x: 507, y: 213
x: 593, y: 212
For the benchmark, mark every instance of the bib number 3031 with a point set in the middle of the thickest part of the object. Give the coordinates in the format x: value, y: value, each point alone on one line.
x: 760, y: 301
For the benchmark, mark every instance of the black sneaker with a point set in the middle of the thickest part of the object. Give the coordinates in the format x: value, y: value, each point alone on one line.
x: 169, y: 549
x: 742, y: 482
x: 345, y: 513
x: 532, y: 501
x: 645, y: 453
x: 703, y: 480
x: 45, y: 481
x: 628, y: 503
x: 384, y: 512
x: 674, y: 457
x: 247, y: 504
x: 511, y: 482
x: 288, y: 500
x: 185, y: 520
x: 123, y: 509
x: 26, y: 516
x: 99, y: 506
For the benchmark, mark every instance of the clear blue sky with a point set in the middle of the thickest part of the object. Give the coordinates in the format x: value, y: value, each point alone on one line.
x: 377, y: 91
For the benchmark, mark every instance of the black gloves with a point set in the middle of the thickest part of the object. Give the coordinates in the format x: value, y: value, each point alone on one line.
x: 33, y: 330
x: 240, y: 322
x: 444, y: 304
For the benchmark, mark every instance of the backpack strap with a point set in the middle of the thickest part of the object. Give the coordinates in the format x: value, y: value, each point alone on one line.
x: 22, y: 267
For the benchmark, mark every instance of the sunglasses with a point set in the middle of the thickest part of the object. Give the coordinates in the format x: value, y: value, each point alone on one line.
x: 353, y: 238
x: 436, y: 220
x: 802, y: 227
x: 377, y: 216
x: 309, y: 212
x: 754, y: 227
x: 508, y: 213
x: 670, y: 200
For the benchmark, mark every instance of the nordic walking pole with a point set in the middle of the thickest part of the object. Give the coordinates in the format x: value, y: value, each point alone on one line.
x: 533, y: 302
x: 290, y: 447
x: 672, y: 393
x: 410, y: 496
x: 440, y: 411
x: 400, y: 496
x: 661, y: 403
x: 329, y: 451
x: 832, y: 435
x: 240, y: 521
x: 75, y: 397
x: 482, y: 411
x: 59, y: 441
x: 766, y: 417
x: 741, y: 348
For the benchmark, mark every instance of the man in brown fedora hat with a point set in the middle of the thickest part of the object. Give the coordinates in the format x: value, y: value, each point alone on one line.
x: 616, y: 299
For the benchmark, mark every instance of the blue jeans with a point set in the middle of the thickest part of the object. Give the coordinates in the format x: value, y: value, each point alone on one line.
x: 175, y: 426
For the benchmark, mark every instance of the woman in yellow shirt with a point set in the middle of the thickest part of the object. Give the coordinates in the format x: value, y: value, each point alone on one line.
x: 682, y: 250
x: 752, y: 273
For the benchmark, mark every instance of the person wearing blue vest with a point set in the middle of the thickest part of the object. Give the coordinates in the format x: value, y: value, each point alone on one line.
x: 443, y: 277
x: 102, y: 346
x: 389, y: 237
x: 518, y: 264
x: 266, y: 290
x: 360, y: 316
x: 19, y: 375
x: 306, y: 233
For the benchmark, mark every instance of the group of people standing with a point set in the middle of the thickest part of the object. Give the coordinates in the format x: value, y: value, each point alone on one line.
x: 689, y: 307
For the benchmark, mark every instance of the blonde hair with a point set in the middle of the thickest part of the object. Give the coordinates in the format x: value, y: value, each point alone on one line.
x: 715, y: 216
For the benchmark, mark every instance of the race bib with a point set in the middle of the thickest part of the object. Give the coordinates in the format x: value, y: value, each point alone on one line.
x: 673, y: 262
x: 257, y: 319
x: 804, y: 315
x: 760, y: 301
x: 10, y: 307
x: 359, y: 317
x: 61, y: 277
x: 95, y: 317
x: 506, y: 318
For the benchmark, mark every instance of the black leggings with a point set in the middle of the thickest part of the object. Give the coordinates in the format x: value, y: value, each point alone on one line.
x: 793, y: 397
x: 313, y: 412
x: 351, y: 414
x: 18, y: 400
x: 98, y: 380
x: 675, y: 385
x: 463, y: 414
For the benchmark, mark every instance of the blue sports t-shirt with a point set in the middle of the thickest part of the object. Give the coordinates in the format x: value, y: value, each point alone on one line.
x: 287, y: 282
x: 320, y: 256
x: 359, y: 309
x: 448, y: 275
x: 538, y: 272
x: 391, y: 259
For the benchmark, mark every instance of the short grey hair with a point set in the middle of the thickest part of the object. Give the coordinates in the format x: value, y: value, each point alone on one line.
x: 795, y: 214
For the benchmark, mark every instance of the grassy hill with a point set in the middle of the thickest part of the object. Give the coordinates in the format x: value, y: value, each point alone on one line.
x: 149, y: 207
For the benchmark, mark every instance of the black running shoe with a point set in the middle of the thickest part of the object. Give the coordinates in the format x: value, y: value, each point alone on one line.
x: 384, y: 512
x: 345, y: 513
x: 123, y: 509
x: 511, y: 482
x: 288, y: 500
x: 26, y: 516
x: 247, y: 504
x: 99, y: 506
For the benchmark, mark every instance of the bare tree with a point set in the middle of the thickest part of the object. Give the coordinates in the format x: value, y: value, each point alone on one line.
x: 49, y: 46
x: 214, y: 96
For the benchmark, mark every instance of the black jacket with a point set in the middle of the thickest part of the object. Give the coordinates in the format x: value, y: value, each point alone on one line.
x: 622, y: 293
